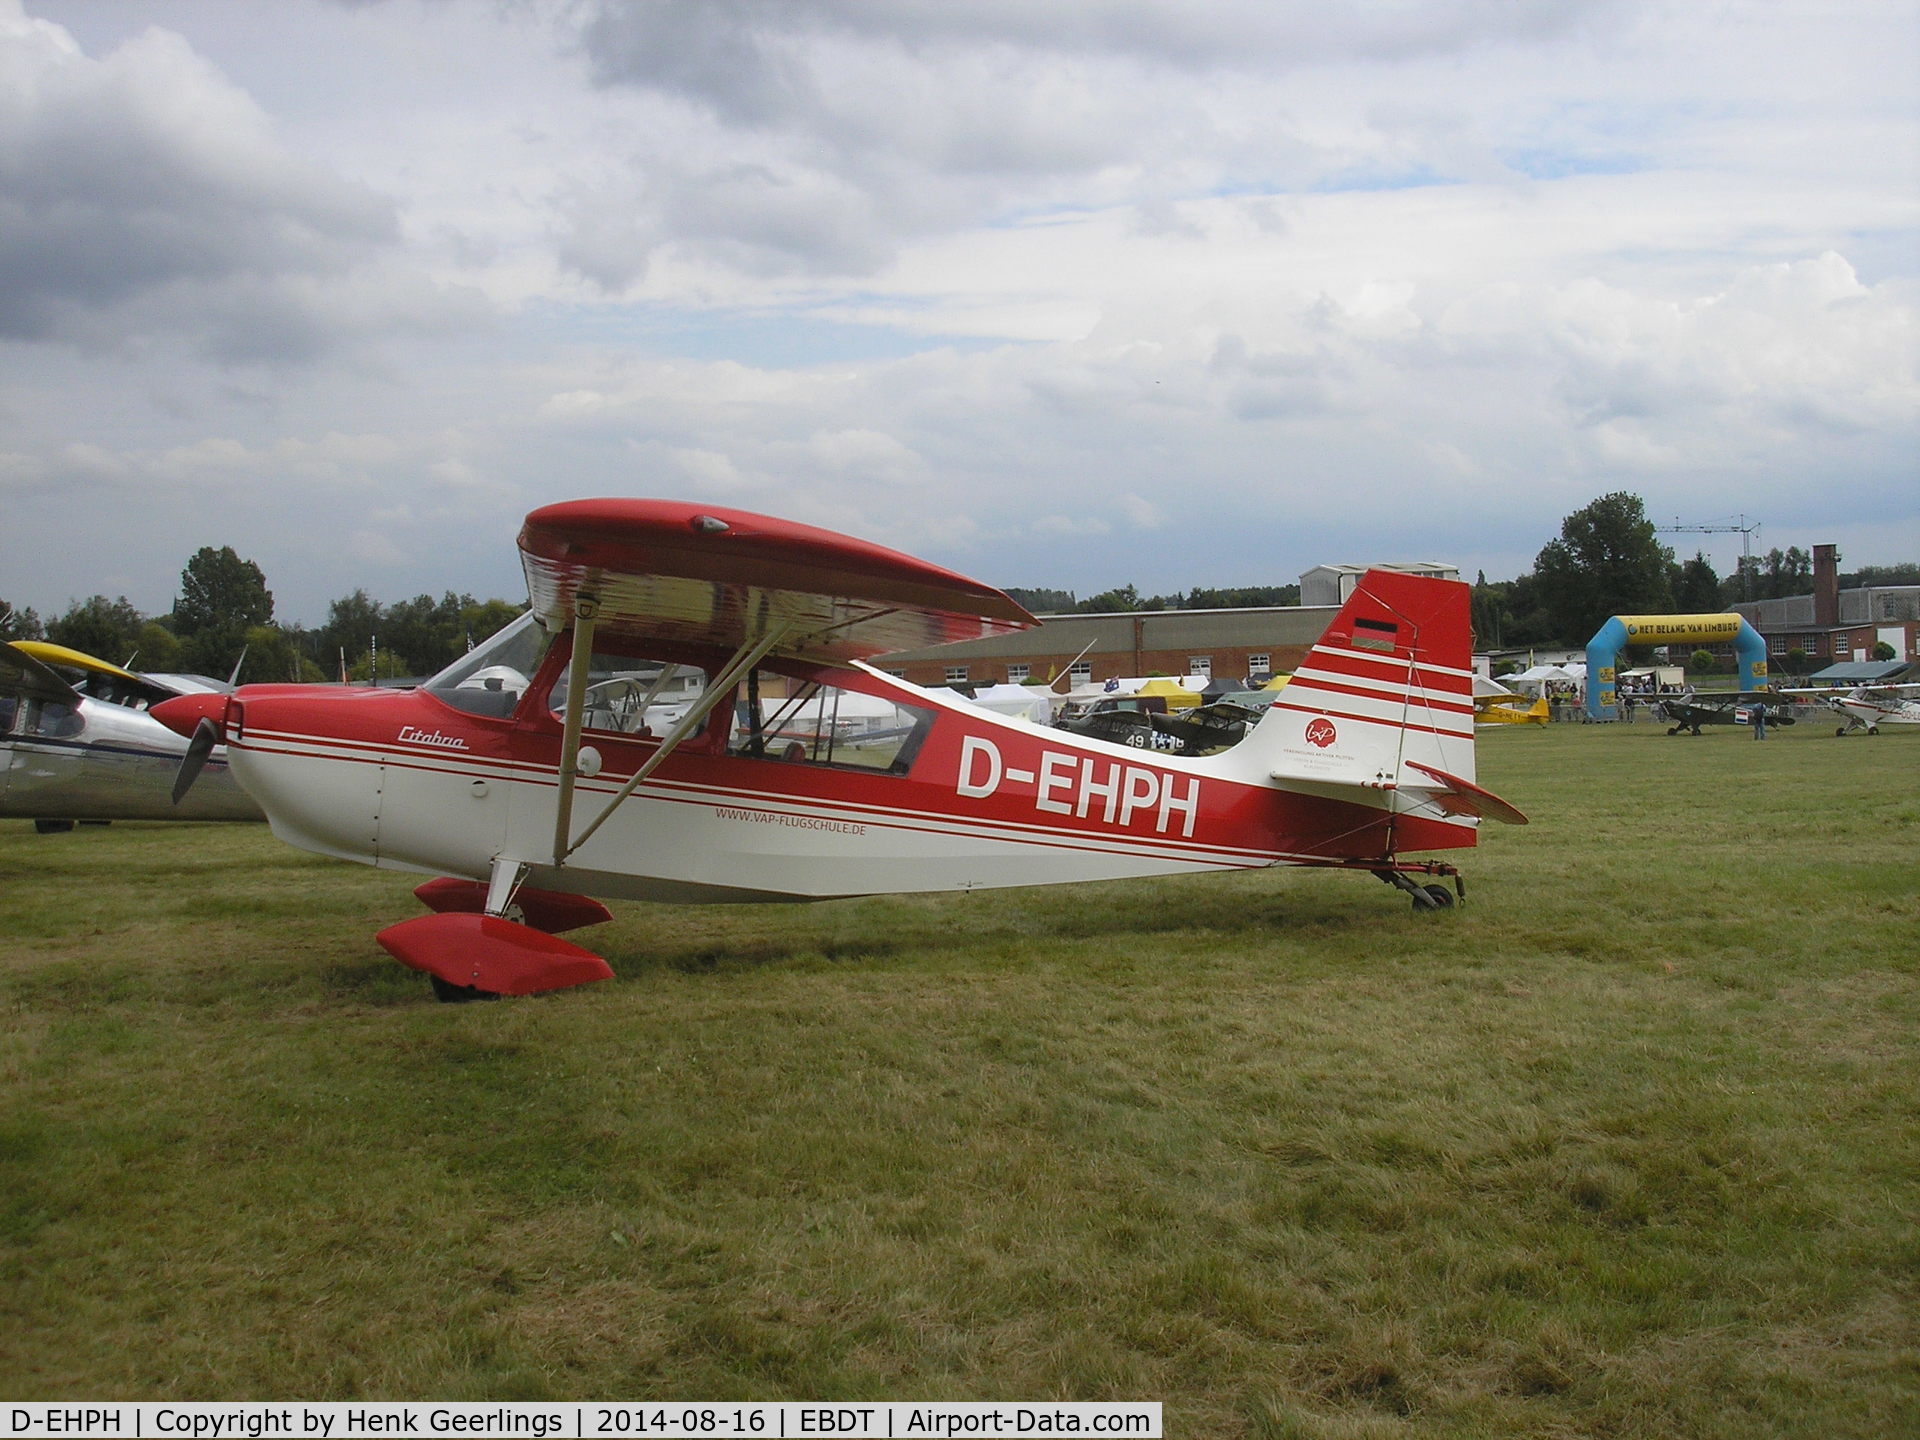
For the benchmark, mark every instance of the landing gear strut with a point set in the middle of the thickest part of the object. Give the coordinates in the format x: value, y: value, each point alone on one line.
x: 1429, y: 896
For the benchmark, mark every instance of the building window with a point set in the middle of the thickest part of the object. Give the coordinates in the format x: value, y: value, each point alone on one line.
x: 1200, y: 665
x: 1081, y: 671
x: 1776, y: 644
x: 897, y: 674
x: 956, y: 674
x: 1017, y: 674
x: 1261, y: 664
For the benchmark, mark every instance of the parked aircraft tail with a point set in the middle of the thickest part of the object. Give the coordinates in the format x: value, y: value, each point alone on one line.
x: 1383, y: 703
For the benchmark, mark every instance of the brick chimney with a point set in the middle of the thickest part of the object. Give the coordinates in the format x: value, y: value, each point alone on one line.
x: 1826, y: 586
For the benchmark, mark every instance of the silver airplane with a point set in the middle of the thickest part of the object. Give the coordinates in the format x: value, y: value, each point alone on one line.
x: 86, y: 749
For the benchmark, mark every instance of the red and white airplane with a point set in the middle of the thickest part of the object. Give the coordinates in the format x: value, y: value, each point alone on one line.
x: 686, y: 714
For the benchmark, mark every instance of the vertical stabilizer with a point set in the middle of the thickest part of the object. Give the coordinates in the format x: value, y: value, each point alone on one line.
x: 1383, y: 701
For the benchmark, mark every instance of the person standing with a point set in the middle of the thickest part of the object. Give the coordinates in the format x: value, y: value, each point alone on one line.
x: 1759, y: 719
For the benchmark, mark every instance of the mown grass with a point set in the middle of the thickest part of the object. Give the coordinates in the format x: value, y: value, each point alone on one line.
x: 1624, y: 1148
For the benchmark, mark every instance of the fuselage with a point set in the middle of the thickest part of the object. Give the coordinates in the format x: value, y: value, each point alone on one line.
x: 808, y: 783
x: 1869, y: 709
x: 95, y: 760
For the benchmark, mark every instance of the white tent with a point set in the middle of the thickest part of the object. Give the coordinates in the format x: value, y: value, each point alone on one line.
x: 1082, y: 696
x: 1020, y: 702
x: 1538, y: 677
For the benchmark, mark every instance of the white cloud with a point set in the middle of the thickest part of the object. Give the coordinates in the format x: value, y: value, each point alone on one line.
x: 1083, y: 294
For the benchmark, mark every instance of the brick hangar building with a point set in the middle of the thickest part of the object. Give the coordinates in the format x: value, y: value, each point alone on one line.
x: 1225, y: 644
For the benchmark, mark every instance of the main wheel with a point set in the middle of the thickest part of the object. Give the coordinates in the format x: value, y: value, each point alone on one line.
x: 448, y: 993
x: 1873, y: 729
x: 1432, y: 897
x: 1841, y: 731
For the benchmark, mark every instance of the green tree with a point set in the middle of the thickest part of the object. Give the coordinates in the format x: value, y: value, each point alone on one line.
x: 1109, y: 602
x: 352, y: 622
x: 222, y: 597
x: 1490, y: 617
x: 219, y: 589
x: 19, y: 624
x: 159, y: 647
x: 1696, y: 588
x: 481, y: 619
x: 1907, y: 574
x: 274, y: 655
x: 1043, y: 602
x: 1607, y: 561
x: 1244, y: 597
x: 106, y: 629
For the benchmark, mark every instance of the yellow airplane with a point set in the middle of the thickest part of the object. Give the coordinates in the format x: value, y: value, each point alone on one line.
x: 1494, y: 704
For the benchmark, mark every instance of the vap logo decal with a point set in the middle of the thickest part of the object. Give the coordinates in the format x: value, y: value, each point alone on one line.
x: 1320, y: 732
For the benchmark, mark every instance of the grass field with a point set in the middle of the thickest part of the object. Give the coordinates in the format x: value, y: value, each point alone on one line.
x: 1627, y: 1147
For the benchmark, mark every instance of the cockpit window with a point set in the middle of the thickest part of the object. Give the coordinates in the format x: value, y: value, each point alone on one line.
x: 806, y: 722
x: 490, y: 678
x: 633, y: 695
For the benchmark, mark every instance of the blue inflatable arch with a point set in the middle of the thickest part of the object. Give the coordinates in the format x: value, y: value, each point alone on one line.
x: 1603, y: 651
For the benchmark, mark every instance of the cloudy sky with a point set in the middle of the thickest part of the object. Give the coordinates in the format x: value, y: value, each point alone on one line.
x: 1076, y: 293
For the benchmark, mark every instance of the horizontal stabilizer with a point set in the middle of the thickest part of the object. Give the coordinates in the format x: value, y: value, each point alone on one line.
x: 553, y: 911
x: 491, y: 955
x: 1460, y: 797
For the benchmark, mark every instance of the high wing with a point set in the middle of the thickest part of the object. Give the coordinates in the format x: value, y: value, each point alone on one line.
x: 701, y: 574
x: 24, y: 673
x: 671, y: 571
x: 1840, y: 692
x: 104, y: 681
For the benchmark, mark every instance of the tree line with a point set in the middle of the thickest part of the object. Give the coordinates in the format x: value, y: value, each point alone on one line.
x: 1607, y: 560
x: 1125, y: 599
x: 225, y: 609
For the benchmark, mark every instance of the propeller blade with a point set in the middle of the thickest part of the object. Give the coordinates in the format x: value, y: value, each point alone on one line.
x: 206, y: 735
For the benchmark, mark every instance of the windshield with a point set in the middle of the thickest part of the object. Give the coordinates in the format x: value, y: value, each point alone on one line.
x: 490, y: 678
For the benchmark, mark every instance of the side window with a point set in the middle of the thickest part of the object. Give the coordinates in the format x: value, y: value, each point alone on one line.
x: 633, y: 695
x: 54, y: 720
x: 8, y: 705
x: 805, y: 722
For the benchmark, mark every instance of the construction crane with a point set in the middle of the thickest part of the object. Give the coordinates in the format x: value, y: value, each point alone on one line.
x: 1745, y: 529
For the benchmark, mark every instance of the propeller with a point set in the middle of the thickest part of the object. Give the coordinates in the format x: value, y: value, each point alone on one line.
x: 206, y: 735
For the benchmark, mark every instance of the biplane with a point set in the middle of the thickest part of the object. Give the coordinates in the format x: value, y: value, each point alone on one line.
x: 1868, y: 707
x: 79, y: 743
x: 542, y: 774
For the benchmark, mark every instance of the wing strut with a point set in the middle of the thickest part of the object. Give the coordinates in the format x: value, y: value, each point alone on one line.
x: 586, y: 610
x: 750, y: 654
